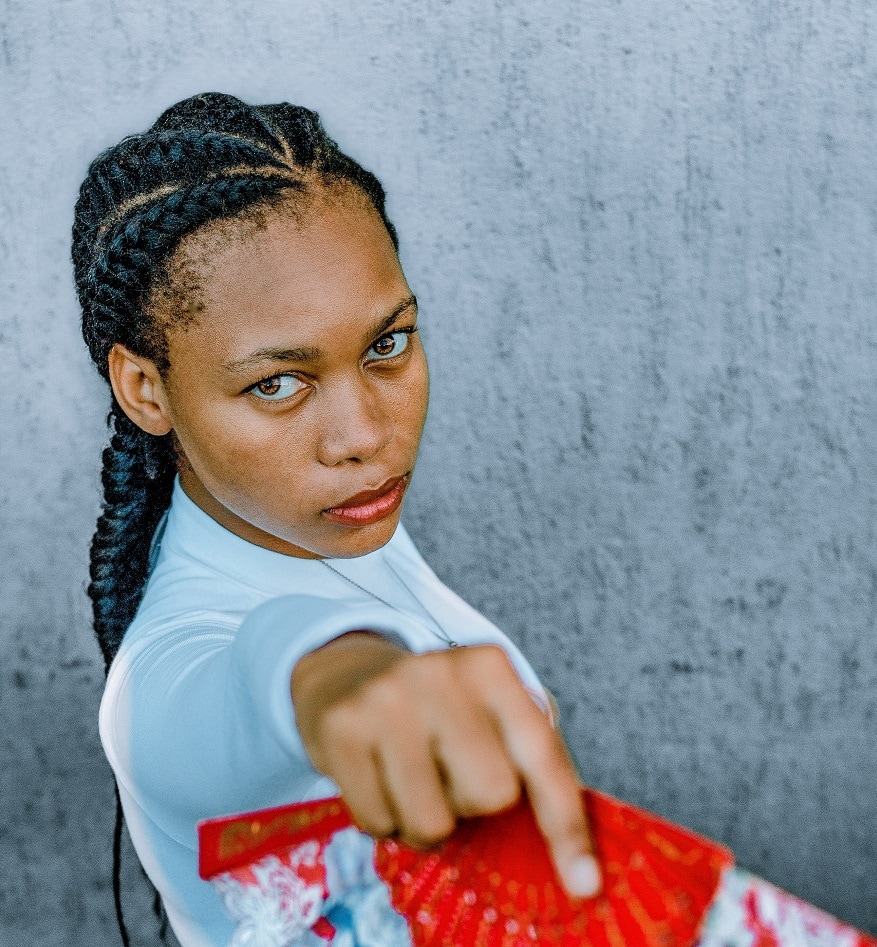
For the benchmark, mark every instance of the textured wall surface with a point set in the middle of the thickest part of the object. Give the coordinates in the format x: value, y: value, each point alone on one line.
x: 644, y: 236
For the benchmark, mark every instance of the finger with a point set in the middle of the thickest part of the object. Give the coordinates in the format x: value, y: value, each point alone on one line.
x: 362, y: 789
x: 413, y: 785
x: 479, y: 776
x: 352, y: 763
x: 553, y: 788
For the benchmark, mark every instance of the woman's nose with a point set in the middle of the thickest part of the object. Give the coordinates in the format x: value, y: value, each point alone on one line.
x: 357, y: 424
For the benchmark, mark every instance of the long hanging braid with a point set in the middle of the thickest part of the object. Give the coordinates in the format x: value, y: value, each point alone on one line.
x: 209, y: 157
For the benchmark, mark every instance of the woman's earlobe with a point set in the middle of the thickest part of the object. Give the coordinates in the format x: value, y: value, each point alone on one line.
x: 138, y: 389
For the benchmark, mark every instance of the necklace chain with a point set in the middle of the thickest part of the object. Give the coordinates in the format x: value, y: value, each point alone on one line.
x: 441, y: 631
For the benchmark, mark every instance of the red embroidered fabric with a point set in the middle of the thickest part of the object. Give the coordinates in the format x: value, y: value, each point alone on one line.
x: 492, y: 883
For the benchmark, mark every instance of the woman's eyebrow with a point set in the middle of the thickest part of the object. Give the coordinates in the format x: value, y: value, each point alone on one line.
x: 308, y: 353
x: 311, y: 353
x: 382, y: 326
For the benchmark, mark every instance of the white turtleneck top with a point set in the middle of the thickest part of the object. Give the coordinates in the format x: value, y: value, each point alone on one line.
x: 197, y: 719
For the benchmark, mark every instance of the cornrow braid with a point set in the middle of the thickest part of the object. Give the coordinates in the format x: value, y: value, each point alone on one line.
x: 117, y: 284
x: 142, y: 164
x: 207, y: 158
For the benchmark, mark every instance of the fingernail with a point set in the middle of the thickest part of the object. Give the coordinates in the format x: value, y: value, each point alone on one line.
x: 583, y: 877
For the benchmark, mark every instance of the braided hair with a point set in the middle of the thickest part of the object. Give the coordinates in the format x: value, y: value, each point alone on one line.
x: 208, y: 158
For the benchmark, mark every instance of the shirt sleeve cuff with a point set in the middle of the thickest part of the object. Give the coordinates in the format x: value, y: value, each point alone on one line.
x: 276, y: 635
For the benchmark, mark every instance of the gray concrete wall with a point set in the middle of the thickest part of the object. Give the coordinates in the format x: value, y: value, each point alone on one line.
x: 644, y: 236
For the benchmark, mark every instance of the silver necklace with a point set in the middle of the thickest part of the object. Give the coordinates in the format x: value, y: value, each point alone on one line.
x: 440, y: 629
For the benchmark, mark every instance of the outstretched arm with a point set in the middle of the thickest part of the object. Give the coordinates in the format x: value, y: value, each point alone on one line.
x: 415, y: 741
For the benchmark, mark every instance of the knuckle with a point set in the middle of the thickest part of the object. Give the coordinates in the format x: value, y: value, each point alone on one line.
x: 577, y: 831
x: 502, y: 793
x: 493, y: 796
x: 428, y: 680
x: 495, y: 654
x: 338, y: 728
x: 544, y: 755
x: 562, y: 815
x: 431, y: 666
x: 572, y: 829
x: 489, y: 662
x: 385, y: 695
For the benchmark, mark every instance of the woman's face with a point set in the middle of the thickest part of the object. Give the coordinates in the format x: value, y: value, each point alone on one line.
x: 298, y: 393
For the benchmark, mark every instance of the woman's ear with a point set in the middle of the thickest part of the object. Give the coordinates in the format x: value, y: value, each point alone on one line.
x: 138, y: 389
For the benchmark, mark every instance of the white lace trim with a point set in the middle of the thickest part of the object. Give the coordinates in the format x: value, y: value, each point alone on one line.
x: 280, y: 907
x: 792, y: 922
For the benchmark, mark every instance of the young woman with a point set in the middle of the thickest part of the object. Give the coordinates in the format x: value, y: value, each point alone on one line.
x: 270, y: 631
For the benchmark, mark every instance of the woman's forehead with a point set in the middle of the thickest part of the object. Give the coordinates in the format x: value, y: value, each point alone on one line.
x: 250, y: 235
x: 294, y: 279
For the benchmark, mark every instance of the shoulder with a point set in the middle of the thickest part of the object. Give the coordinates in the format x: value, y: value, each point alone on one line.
x: 198, y: 564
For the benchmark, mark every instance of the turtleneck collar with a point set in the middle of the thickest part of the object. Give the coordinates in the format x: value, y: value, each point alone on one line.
x: 188, y: 530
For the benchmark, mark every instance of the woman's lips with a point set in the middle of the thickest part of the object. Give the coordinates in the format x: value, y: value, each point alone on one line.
x: 370, y: 506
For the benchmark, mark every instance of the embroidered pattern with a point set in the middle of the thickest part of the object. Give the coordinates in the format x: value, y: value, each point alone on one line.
x: 317, y: 894
x: 749, y: 912
x: 304, y: 876
x: 279, y: 903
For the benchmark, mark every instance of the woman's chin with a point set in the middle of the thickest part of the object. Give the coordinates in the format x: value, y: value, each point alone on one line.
x: 361, y: 540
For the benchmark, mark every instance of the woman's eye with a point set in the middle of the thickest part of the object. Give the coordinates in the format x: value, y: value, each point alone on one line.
x: 277, y: 387
x: 389, y: 345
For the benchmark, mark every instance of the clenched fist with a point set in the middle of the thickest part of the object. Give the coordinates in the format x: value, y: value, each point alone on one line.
x: 414, y: 741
